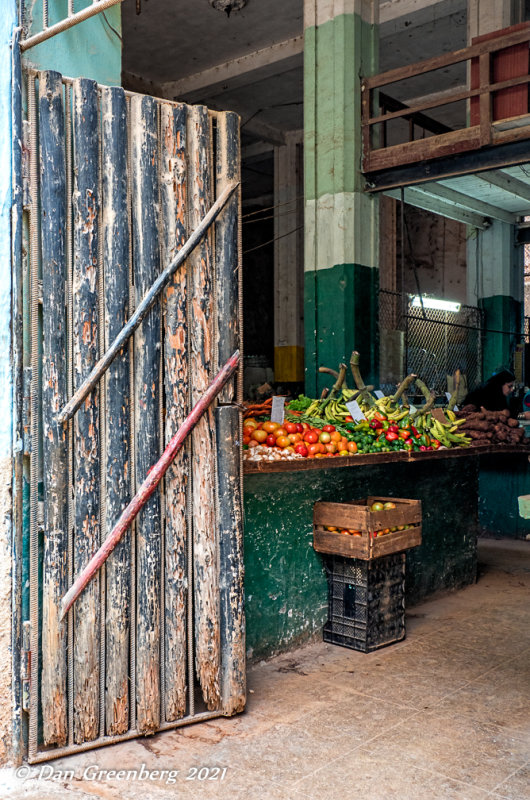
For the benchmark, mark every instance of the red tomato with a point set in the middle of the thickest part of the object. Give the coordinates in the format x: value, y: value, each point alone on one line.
x: 259, y: 435
x: 295, y: 437
x: 301, y: 449
x: 290, y: 427
x: 311, y: 437
x: 270, y: 440
x: 348, y: 419
x: 280, y: 432
x: 299, y: 427
x: 331, y: 447
x: 328, y: 428
x: 248, y: 429
x: 246, y: 439
x: 313, y: 449
x: 283, y: 441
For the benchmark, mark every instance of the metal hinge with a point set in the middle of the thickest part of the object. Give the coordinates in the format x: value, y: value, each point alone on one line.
x: 25, y: 666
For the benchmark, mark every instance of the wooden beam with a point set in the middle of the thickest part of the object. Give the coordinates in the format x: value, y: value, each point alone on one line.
x: 415, y: 197
x: 54, y: 395
x: 146, y: 267
x: 86, y: 422
x: 465, y: 201
x: 174, y: 225
x: 456, y: 57
x: 201, y: 343
x: 273, y: 60
x: 115, y: 234
x: 508, y: 184
x: 449, y: 166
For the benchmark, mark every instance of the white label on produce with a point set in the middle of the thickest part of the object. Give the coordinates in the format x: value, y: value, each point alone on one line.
x: 378, y: 393
x: 278, y: 410
x: 412, y: 410
x: 355, y: 410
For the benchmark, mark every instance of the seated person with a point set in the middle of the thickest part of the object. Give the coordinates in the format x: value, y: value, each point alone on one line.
x: 494, y: 394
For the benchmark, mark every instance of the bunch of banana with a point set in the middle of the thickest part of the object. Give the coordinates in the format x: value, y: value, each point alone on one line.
x: 386, y: 406
x: 446, y: 432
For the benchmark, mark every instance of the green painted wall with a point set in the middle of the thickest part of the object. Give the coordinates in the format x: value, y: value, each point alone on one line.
x: 501, y: 313
x: 285, y: 584
x: 91, y: 49
x: 502, y: 480
x: 347, y: 293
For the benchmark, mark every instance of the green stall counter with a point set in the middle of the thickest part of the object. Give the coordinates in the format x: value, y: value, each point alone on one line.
x: 285, y: 579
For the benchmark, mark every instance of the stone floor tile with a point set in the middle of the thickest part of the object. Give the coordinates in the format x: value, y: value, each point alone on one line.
x: 370, y: 777
x: 475, y: 753
x: 516, y: 786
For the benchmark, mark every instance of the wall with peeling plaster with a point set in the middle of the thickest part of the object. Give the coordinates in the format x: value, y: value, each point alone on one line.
x: 91, y: 49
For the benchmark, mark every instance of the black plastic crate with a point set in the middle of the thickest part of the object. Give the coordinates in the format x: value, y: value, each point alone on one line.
x: 366, y: 602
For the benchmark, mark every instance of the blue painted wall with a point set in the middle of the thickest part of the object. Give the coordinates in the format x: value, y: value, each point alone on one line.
x: 91, y: 49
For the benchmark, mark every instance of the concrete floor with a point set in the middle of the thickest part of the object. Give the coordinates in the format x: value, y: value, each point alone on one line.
x: 443, y: 714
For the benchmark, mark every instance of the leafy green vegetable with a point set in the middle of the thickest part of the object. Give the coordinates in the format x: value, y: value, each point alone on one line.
x: 300, y: 404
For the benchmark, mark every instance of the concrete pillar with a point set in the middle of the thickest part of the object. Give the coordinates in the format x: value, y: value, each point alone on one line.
x: 341, y: 221
x: 495, y: 265
x: 289, y: 260
x: 495, y: 278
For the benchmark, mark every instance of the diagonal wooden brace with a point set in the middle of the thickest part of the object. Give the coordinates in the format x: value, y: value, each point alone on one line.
x: 161, y: 282
x: 149, y: 485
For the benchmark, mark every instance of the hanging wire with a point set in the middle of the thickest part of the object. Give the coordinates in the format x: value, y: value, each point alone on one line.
x: 271, y: 216
x: 271, y: 208
x: 270, y: 241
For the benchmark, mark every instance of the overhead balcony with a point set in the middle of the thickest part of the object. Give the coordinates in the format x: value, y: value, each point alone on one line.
x: 481, y: 124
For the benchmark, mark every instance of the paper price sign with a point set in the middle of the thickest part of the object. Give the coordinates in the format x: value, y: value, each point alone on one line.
x: 278, y: 410
x: 379, y: 394
x: 355, y: 410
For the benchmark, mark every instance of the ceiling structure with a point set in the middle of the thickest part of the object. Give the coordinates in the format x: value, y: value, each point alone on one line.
x: 252, y: 62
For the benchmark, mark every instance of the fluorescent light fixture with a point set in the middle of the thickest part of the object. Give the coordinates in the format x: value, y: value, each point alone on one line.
x: 432, y: 302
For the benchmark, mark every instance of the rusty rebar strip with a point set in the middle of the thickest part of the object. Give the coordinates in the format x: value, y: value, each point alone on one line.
x: 150, y: 483
x: 146, y: 303
x: 34, y: 422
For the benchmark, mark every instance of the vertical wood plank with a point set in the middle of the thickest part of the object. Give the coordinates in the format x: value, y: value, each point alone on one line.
x: 86, y: 421
x: 116, y: 257
x: 146, y: 265
x: 173, y: 196
x: 205, y: 567
x: 229, y: 512
x: 54, y: 395
x: 226, y: 250
x: 231, y: 589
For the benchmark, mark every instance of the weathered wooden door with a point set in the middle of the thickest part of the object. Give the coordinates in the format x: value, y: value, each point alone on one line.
x: 117, y: 182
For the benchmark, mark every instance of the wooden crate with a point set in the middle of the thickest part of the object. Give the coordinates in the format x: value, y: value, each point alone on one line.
x: 356, y: 515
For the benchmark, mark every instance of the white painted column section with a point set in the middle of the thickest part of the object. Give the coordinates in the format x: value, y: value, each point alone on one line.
x: 289, y: 260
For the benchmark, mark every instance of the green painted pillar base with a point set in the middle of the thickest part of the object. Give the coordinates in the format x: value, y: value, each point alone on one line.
x: 343, y: 302
x: 502, y: 323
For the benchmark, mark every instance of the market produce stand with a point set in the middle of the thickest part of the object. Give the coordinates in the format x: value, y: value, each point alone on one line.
x: 285, y: 581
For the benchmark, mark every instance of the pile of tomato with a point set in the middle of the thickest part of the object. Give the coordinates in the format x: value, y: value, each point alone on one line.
x: 298, y: 437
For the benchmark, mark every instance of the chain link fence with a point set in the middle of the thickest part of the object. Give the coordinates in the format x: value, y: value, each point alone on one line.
x: 431, y: 343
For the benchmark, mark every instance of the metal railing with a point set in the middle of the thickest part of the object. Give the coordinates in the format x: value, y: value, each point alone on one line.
x: 485, y: 96
x: 72, y: 18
